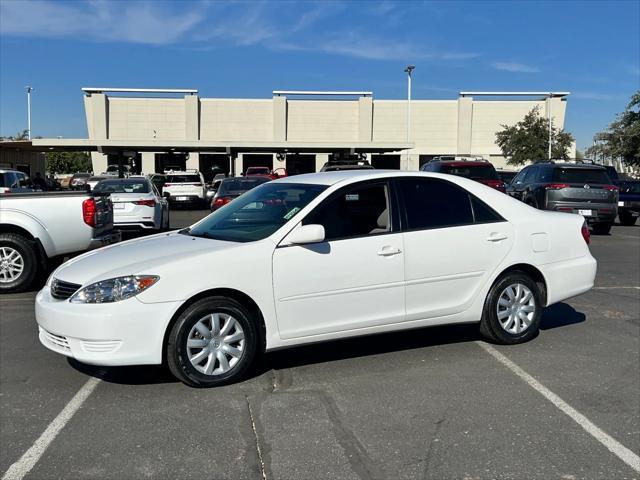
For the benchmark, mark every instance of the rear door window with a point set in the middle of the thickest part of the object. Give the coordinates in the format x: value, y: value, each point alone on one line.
x: 581, y: 175
x: 431, y: 203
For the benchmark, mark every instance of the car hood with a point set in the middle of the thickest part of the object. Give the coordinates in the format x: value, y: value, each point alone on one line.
x: 140, y: 256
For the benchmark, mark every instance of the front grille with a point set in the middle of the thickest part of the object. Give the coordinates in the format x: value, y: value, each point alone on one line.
x: 63, y: 290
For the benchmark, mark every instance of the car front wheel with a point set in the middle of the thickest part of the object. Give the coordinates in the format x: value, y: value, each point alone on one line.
x: 512, y: 310
x: 212, y: 343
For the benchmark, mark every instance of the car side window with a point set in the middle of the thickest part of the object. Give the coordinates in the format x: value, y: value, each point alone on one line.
x: 545, y: 175
x: 431, y: 203
x: 520, y: 176
x: 354, y: 211
x: 11, y: 180
x: 530, y: 175
x: 483, y: 213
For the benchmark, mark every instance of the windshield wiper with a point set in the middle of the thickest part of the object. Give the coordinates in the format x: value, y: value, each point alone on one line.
x: 185, y: 231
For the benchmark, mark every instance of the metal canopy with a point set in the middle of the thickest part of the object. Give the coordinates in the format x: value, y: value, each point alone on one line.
x: 115, y: 146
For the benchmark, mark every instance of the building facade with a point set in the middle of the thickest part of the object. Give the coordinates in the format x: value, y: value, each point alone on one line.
x: 299, y: 131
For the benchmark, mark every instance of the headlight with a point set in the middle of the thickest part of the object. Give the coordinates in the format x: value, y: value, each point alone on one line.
x: 114, y: 289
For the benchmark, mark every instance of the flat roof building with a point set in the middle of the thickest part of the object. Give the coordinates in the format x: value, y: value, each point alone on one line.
x: 159, y: 129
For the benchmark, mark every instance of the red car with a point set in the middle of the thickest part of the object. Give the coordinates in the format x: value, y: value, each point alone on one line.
x: 476, y: 169
x: 266, y: 171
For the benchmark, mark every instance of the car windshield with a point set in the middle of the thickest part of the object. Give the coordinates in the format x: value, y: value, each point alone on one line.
x: 122, y: 186
x: 239, y: 185
x: 474, y: 172
x: 258, y: 213
x: 581, y: 175
x: 183, y: 179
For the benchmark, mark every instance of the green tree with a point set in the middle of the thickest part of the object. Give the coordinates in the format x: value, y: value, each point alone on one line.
x: 528, y: 140
x: 622, y: 138
x: 68, y: 162
x: 23, y: 135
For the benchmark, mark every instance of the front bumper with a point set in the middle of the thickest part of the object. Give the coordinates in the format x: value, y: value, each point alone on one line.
x: 121, y: 333
x: 104, y: 240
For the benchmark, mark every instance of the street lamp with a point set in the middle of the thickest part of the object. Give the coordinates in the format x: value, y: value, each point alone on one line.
x: 29, y: 90
x: 408, y: 71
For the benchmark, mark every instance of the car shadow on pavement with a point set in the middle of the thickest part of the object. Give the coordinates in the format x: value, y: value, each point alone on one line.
x: 559, y: 315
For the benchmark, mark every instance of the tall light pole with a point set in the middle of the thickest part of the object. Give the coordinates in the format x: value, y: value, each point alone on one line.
x: 408, y: 71
x: 29, y: 90
x: 549, y: 109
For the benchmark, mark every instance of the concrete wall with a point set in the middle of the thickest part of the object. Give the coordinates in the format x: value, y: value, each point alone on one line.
x: 462, y: 126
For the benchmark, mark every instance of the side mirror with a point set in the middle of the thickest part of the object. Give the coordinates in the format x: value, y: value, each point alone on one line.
x: 312, y: 233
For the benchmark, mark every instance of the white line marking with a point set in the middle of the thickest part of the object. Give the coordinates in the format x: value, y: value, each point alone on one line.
x: 615, y: 447
x: 19, y: 469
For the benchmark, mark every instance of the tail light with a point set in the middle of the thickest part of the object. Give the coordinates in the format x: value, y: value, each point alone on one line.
x: 146, y: 203
x: 585, y: 233
x: 221, y: 201
x: 611, y: 188
x: 89, y: 212
x: 556, y: 186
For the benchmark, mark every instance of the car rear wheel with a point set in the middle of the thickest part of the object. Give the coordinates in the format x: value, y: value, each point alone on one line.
x: 512, y: 310
x: 628, y: 220
x: 18, y: 263
x: 213, y: 342
x: 602, y: 228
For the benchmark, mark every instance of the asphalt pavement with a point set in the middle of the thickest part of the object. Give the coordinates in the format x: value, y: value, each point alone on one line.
x: 435, y: 403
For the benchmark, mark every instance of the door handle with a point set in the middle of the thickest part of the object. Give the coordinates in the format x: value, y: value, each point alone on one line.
x: 388, y: 251
x: 496, y: 237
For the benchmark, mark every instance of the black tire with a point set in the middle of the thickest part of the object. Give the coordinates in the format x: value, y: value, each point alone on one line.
x: 177, y: 355
x: 602, y: 228
x: 490, y: 326
x: 27, y: 250
x: 628, y: 220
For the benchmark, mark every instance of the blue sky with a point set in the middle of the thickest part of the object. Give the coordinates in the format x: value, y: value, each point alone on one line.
x: 249, y: 48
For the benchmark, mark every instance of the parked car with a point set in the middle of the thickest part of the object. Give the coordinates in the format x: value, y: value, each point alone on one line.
x: 279, y: 173
x: 137, y: 204
x: 506, y: 175
x: 36, y: 227
x: 159, y: 180
x: 629, y: 202
x: 93, y: 181
x: 14, y: 181
x: 585, y: 189
x: 78, y: 180
x: 213, y: 188
x: 346, y: 165
x: 185, y: 188
x: 257, y: 171
x: 114, y: 170
x: 233, y: 187
x: 317, y: 257
x: 475, y: 168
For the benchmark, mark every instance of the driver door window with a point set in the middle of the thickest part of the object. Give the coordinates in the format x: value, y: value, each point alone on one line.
x: 354, y: 212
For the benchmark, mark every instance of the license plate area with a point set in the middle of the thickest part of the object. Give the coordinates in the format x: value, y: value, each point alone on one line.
x: 585, y: 213
x: 118, y: 206
x: 181, y: 198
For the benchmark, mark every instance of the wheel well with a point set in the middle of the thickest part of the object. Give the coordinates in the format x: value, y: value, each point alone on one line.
x: 533, y: 272
x: 237, y: 295
x: 9, y: 228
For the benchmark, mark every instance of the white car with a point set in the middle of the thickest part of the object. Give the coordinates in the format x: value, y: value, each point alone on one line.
x: 185, y: 188
x: 137, y: 204
x: 317, y: 257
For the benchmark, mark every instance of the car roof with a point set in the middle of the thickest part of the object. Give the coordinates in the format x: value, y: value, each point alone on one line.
x: 333, y: 177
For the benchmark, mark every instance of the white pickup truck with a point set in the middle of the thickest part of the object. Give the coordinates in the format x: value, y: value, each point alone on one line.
x: 36, y: 227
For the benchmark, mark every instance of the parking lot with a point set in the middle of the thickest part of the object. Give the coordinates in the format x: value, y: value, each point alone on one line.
x: 436, y: 403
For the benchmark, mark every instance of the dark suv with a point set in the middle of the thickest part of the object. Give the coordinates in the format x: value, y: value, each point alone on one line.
x: 566, y: 187
x: 479, y: 170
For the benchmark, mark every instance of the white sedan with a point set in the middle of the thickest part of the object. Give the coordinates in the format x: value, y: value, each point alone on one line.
x: 311, y: 258
x: 137, y: 204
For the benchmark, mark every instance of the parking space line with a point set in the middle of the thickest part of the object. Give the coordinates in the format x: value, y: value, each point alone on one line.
x: 616, y: 288
x: 615, y: 447
x: 19, y: 469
